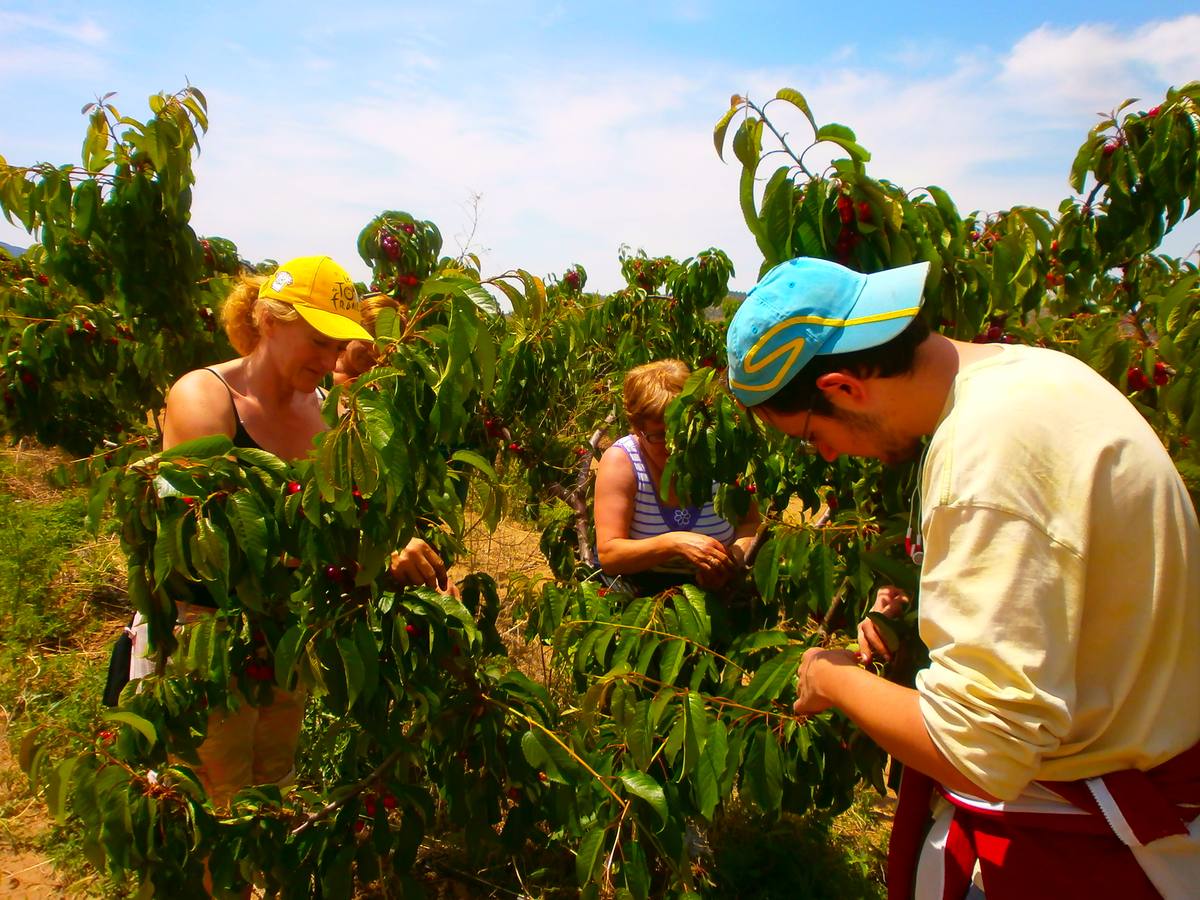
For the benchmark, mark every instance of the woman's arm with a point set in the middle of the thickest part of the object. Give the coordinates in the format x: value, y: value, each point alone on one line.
x: 616, y: 492
x: 197, y: 406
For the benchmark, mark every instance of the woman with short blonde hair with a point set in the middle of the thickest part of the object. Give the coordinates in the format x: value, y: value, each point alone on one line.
x: 656, y: 544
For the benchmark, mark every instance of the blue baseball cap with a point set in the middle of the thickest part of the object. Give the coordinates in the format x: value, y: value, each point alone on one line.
x: 810, y: 307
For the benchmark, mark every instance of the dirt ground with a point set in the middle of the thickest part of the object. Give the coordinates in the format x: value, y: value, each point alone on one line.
x: 23, y: 872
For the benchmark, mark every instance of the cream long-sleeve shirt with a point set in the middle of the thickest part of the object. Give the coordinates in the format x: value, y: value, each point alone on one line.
x: 1060, y: 592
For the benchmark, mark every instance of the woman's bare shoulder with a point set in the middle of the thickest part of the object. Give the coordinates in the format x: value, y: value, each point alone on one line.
x: 616, y: 466
x: 197, y: 405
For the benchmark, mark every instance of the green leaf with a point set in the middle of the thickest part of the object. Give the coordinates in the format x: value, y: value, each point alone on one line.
x: 59, y: 789
x: 720, y: 129
x: 99, y: 497
x: 588, y: 855
x: 886, y: 627
x: 797, y: 100
x: 642, y: 785
x: 263, y: 460
x: 142, y: 726
x: 471, y: 458
x: 287, y: 651
x: 671, y: 660
x: 355, y: 671
x: 706, y: 786
x: 200, y: 448
x: 747, y: 142
x: 844, y: 138
x: 773, y: 676
x: 249, y: 521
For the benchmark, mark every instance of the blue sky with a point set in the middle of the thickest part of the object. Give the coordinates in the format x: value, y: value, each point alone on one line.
x: 578, y: 127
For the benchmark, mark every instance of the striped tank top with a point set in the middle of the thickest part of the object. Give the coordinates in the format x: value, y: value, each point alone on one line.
x: 651, y: 517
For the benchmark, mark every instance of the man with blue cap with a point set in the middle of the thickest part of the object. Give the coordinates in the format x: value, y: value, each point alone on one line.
x: 1053, y: 739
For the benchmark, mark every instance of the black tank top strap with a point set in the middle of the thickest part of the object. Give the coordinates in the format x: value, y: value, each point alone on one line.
x: 241, y: 437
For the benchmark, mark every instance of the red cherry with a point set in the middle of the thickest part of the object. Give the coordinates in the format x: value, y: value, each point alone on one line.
x: 408, y: 228
x: 864, y: 211
x: 514, y: 447
x: 994, y: 333
x: 1111, y: 147
x: 389, y: 801
x: 260, y: 671
x: 1135, y: 379
x: 543, y: 777
x: 581, y: 451
x: 28, y: 378
x: 1161, y: 373
x: 411, y: 629
x: 189, y: 501
x: 332, y: 572
x: 43, y: 280
x: 107, y: 736
x: 1054, y: 246
x: 751, y: 489
x: 514, y: 794
x: 293, y: 487
x: 359, y: 825
x: 1153, y: 112
x: 369, y: 805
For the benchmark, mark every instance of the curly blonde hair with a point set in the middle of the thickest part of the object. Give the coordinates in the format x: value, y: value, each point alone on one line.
x: 243, y: 313
x: 649, y: 388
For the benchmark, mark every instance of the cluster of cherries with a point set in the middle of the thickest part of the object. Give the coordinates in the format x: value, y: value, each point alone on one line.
x: 388, y: 242
x: 994, y: 333
x: 371, y: 803
x: 849, y: 213
x: 1136, y: 379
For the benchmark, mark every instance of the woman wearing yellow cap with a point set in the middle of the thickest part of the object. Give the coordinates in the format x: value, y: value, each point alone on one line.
x: 289, y: 329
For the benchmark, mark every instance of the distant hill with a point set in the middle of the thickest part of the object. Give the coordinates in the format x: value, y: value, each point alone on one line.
x: 11, y: 250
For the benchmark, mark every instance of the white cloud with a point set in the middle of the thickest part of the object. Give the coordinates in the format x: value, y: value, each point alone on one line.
x: 573, y: 156
x: 84, y: 31
x: 1085, y: 66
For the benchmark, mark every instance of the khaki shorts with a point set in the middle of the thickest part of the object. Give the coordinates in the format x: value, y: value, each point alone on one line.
x: 245, y: 746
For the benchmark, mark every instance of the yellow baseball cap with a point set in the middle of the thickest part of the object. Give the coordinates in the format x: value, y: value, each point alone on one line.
x: 322, y: 293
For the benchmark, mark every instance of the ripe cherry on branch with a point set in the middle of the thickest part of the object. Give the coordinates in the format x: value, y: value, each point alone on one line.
x: 1135, y: 379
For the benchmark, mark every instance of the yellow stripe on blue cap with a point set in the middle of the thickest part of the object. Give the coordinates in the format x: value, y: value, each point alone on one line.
x: 795, y: 347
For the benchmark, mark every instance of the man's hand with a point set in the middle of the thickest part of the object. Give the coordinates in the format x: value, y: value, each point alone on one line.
x: 891, y: 601
x: 418, y: 563
x: 809, y: 698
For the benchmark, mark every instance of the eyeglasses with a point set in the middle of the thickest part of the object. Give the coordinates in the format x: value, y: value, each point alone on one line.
x: 653, y: 437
